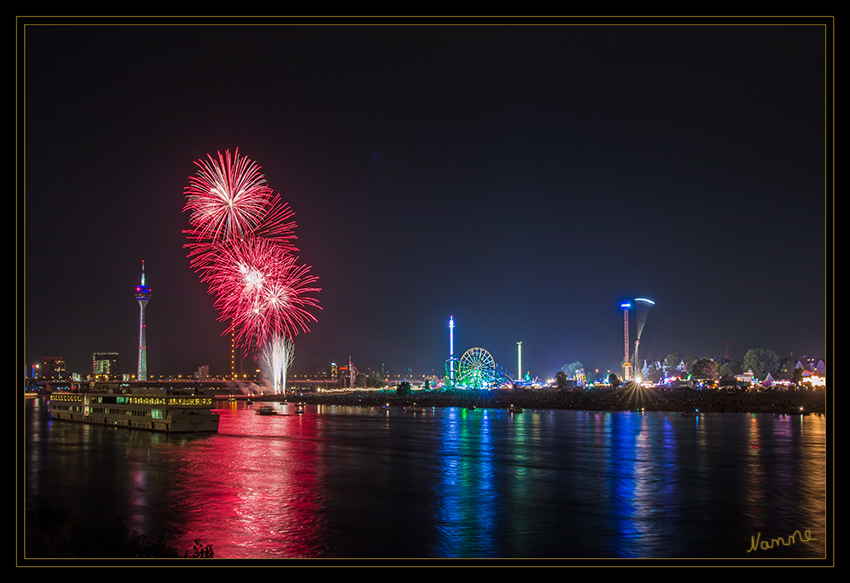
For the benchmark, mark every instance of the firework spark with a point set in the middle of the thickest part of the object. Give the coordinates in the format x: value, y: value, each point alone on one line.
x: 229, y: 199
x: 241, y: 245
x: 260, y: 290
x: 278, y: 354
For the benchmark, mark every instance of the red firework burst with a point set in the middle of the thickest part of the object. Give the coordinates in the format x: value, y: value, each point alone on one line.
x: 229, y: 198
x: 241, y: 244
x: 260, y: 290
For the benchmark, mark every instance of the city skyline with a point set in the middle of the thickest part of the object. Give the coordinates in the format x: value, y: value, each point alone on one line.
x: 520, y: 179
x: 330, y: 369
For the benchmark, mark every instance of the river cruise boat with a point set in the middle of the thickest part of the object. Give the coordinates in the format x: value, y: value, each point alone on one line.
x: 152, y: 409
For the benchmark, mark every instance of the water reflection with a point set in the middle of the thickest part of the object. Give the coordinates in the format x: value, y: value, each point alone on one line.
x: 358, y: 482
x: 754, y: 475
x: 466, y: 500
x: 257, y: 500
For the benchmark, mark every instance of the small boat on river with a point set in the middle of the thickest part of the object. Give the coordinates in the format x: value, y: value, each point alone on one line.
x: 515, y: 409
x: 266, y: 410
x: 414, y: 408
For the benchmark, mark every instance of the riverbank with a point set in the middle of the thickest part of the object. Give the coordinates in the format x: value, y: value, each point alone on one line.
x: 674, y: 400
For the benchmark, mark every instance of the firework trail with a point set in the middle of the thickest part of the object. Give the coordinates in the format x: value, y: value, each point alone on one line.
x: 278, y: 355
x: 241, y: 245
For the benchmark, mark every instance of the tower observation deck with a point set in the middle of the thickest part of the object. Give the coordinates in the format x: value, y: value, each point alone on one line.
x: 143, y: 295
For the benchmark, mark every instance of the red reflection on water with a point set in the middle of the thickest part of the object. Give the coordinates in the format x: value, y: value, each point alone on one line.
x: 249, y: 491
x: 755, y: 473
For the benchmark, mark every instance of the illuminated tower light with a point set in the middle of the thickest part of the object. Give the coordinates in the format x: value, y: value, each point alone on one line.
x: 451, y: 347
x: 143, y: 295
x: 626, y: 360
x: 519, y: 359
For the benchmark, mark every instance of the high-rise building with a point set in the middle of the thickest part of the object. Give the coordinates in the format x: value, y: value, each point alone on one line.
x: 53, y: 368
x: 143, y: 295
x: 105, y: 365
x: 202, y: 373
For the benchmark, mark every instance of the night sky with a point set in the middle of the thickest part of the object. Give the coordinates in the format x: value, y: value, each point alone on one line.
x: 523, y: 178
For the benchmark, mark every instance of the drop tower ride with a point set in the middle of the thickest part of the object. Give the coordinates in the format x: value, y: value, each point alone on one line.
x: 630, y: 361
x: 451, y: 348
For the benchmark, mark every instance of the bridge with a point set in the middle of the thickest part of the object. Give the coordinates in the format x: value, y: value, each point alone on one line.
x: 227, y: 386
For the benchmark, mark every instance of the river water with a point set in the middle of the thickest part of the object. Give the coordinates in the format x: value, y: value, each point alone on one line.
x: 448, y: 483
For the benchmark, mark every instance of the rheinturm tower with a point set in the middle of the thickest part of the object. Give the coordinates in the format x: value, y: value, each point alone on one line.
x: 143, y: 294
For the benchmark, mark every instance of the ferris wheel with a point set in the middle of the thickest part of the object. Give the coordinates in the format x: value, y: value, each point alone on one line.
x: 476, y: 369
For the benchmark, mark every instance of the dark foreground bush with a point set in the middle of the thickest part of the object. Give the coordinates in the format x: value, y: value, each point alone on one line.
x: 51, y: 532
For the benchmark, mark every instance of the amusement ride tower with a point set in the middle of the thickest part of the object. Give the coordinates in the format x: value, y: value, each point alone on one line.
x: 641, y: 306
x: 451, y: 348
x: 627, y: 363
x: 519, y: 360
x: 143, y: 294
x: 475, y: 369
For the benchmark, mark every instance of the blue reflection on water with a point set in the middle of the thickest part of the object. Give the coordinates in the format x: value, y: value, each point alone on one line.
x: 466, y: 495
x: 623, y: 467
x: 452, y: 483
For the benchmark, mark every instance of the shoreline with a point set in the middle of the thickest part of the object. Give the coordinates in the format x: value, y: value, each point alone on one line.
x: 799, y: 402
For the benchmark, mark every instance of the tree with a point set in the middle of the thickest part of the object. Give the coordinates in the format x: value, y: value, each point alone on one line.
x: 786, y: 368
x: 671, y: 361
x: 403, y: 388
x: 572, y: 368
x: 375, y: 380
x: 52, y: 532
x: 762, y: 361
x: 613, y: 380
x: 653, y: 372
x: 730, y: 369
x: 704, y: 369
x: 561, y: 379
x: 199, y: 551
